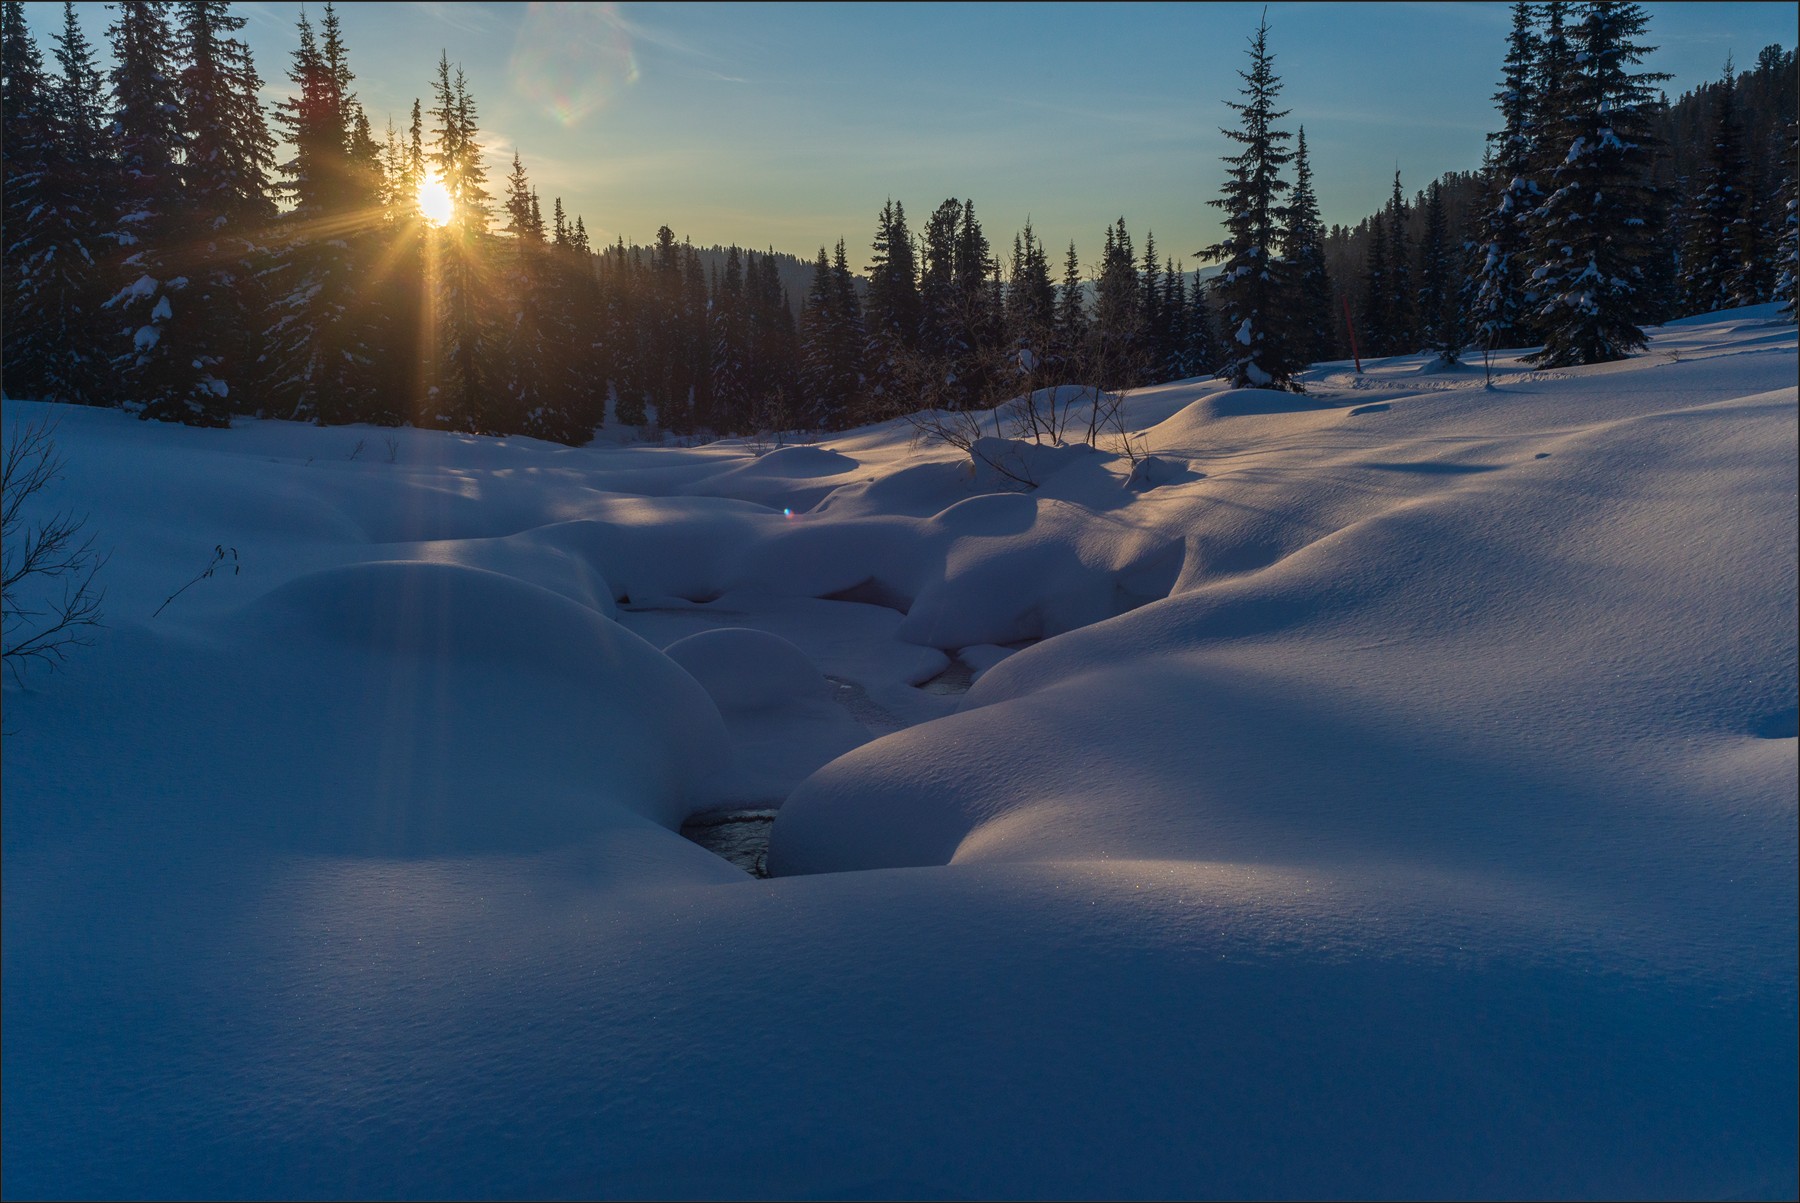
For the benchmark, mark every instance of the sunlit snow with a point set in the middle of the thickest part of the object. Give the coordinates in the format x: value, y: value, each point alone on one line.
x: 1383, y: 791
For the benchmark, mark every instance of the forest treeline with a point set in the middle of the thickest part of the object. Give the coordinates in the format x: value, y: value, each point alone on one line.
x: 158, y: 256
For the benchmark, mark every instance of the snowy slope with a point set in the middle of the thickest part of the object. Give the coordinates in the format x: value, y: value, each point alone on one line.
x: 1385, y: 792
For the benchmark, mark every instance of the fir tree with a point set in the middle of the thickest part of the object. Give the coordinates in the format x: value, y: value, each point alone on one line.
x: 1071, y: 314
x: 1551, y: 98
x: 978, y: 368
x: 81, y: 187
x: 1175, y: 365
x: 462, y: 392
x: 1595, y: 231
x: 695, y: 349
x: 1204, y: 355
x: 659, y: 322
x: 1403, y: 304
x: 831, y: 343
x: 1303, y: 239
x: 1497, y: 304
x: 320, y: 359
x: 29, y: 336
x: 893, y: 310
x: 942, y: 333
x: 1030, y: 303
x: 1787, y: 278
x: 1153, y: 325
x: 540, y: 397
x: 1378, y: 291
x: 1118, y: 320
x: 1254, y: 288
x: 730, y: 344
x: 1719, y: 215
x: 624, y: 336
x: 1439, y: 306
x: 163, y: 323
x: 229, y: 156
x: 774, y: 345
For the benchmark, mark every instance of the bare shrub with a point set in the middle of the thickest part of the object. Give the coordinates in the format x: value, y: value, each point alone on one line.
x: 49, y: 601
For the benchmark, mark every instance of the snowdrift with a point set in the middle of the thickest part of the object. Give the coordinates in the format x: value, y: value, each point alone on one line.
x: 1383, y: 792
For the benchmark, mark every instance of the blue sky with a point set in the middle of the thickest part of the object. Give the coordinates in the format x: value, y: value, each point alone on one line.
x: 789, y: 125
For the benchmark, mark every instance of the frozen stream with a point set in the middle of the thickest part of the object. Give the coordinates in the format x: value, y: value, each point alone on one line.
x: 865, y: 683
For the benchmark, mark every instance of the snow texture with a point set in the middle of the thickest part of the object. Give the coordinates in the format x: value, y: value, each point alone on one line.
x: 1383, y: 792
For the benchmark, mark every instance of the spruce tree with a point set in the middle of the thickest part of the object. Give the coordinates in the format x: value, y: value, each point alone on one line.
x: 893, y: 311
x: 1204, y: 355
x: 695, y: 348
x: 1303, y: 240
x: 1719, y: 214
x: 539, y: 400
x: 1787, y: 276
x: 1071, y: 316
x: 1439, y: 306
x: 942, y: 330
x: 167, y: 370
x: 1117, y: 330
x: 831, y: 343
x: 773, y: 352
x: 28, y: 338
x: 730, y: 339
x: 658, y: 319
x: 1497, y: 306
x: 1030, y: 305
x: 1378, y: 291
x: 981, y: 337
x: 1403, y: 303
x: 1595, y: 231
x: 1254, y: 286
x: 1175, y: 365
x: 81, y: 190
x: 229, y: 156
x: 1153, y: 336
x: 319, y: 363
x: 462, y: 393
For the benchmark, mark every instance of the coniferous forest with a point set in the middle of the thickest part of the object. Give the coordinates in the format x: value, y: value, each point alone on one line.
x: 163, y: 255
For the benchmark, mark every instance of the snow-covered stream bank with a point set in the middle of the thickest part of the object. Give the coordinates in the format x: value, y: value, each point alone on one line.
x: 1391, y: 794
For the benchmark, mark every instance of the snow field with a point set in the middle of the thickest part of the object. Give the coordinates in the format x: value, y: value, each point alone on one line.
x: 1387, y: 791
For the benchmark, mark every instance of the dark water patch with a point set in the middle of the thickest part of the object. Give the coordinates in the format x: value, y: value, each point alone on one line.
x: 740, y: 836
x: 954, y: 681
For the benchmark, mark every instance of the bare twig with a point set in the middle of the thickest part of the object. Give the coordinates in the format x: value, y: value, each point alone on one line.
x: 221, y: 556
x: 37, y: 628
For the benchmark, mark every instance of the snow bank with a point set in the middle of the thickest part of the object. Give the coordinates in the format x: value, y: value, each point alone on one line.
x: 1385, y: 792
x: 743, y: 669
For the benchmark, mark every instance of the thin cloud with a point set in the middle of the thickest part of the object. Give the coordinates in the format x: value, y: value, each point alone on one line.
x: 466, y: 18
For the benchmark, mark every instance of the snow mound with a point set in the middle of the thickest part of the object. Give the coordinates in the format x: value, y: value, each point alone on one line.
x: 1155, y: 471
x: 605, y: 719
x: 1020, y: 463
x: 792, y: 478
x: 743, y: 669
x: 1251, y: 402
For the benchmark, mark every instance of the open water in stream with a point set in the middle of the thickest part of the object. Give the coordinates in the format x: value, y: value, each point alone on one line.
x: 741, y: 836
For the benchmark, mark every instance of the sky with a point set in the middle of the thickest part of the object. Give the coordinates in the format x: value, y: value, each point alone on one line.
x: 788, y: 126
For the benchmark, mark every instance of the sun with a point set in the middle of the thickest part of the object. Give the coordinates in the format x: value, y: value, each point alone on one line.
x: 434, y: 200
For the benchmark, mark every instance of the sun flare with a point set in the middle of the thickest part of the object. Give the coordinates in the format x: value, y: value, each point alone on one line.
x: 434, y: 200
